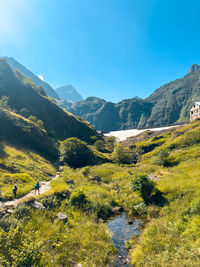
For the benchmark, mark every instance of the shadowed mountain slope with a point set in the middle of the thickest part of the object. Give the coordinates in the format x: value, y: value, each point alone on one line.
x: 37, y: 81
x: 29, y: 100
x: 169, y: 104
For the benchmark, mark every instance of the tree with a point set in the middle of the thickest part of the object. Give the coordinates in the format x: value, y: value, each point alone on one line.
x: 76, y: 153
x: 121, y: 154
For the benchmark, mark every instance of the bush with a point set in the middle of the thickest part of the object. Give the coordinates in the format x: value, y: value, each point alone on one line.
x: 18, y: 249
x: 78, y: 198
x: 162, y: 158
x: 76, y: 153
x: 148, y: 192
x: 121, y: 154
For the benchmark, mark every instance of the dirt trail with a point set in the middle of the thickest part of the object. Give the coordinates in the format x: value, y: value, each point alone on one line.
x: 44, y: 187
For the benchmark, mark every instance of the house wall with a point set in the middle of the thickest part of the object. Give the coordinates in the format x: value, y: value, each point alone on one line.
x: 194, y: 112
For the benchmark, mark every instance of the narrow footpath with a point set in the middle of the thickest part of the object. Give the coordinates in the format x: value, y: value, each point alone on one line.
x: 44, y: 187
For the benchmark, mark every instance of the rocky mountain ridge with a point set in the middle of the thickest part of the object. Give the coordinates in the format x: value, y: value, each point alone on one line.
x: 169, y: 104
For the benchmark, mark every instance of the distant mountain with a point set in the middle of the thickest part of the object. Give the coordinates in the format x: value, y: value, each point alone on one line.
x: 69, y: 93
x: 37, y: 81
x: 193, y: 68
x: 169, y: 104
x: 26, y: 99
x: 108, y: 116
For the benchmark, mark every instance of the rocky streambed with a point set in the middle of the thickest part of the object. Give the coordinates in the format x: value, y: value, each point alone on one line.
x: 123, y: 228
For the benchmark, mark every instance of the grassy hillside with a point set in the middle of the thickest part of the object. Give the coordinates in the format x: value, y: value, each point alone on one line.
x: 37, y: 81
x: 21, y: 132
x: 171, y: 233
x: 171, y: 238
x: 21, y: 167
x: 29, y: 100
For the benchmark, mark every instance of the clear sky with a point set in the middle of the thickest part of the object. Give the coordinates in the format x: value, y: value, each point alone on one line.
x: 112, y: 49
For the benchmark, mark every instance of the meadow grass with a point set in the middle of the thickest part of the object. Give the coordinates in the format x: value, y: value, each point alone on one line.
x: 23, y: 168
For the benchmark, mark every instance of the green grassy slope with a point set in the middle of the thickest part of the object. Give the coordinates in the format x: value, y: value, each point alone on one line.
x: 171, y: 238
x: 24, y: 98
x: 23, y: 133
x: 23, y: 167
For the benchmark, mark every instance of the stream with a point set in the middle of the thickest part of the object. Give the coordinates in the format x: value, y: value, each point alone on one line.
x: 122, y: 232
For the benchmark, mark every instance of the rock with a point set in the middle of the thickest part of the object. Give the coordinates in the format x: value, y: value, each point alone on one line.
x: 117, y: 209
x: 124, y: 261
x: 95, y: 178
x: 70, y: 182
x: 62, y: 217
x: 193, y: 68
x: 130, y: 222
x: 37, y: 205
x: 100, y: 220
x: 10, y: 211
x: 153, y: 177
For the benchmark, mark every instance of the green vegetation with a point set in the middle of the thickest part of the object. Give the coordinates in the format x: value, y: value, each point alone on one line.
x: 148, y: 192
x: 23, y: 168
x: 75, y: 153
x: 121, y: 154
x: 163, y: 186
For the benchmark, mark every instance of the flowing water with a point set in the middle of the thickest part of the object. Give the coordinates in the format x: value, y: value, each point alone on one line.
x: 122, y: 232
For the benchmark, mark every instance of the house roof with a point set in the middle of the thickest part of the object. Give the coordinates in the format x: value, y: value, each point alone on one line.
x: 197, y: 103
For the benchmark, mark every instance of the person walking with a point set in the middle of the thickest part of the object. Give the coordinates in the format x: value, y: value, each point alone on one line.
x: 15, y: 191
x: 37, y: 187
x: 1, y: 198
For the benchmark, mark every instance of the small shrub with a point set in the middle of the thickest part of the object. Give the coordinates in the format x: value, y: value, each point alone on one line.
x: 147, y: 190
x: 78, y: 198
x: 22, y: 212
x: 140, y: 209
x: 162, y: 158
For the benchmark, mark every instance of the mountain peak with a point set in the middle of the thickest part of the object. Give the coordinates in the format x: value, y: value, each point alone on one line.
x: 193, y: 68
x: 69, y: 93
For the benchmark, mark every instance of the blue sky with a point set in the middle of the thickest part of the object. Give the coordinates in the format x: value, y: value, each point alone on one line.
x: 112, y: 49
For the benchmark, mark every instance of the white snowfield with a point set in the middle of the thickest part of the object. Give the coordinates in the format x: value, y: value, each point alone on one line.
x: 123, y: 135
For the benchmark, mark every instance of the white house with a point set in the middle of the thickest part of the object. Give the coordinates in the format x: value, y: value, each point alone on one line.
x: 195, y: 111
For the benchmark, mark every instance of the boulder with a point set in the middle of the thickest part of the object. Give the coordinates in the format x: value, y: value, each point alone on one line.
x: 37, y: 205
x: 117, y: 209
x: 62, y: 217
x: 153, y: 177
x: 9, y: 211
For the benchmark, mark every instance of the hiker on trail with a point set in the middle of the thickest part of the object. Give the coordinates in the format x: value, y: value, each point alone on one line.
x: 15, y: 191
x: 37, y: 187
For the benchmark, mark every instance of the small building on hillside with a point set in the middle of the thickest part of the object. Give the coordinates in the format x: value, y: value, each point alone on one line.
x: 195, y: 111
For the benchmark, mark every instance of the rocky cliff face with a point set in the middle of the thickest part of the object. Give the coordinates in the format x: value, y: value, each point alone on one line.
x: 169, y: 104
x: 69, y: 93
x: 193, y: 68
